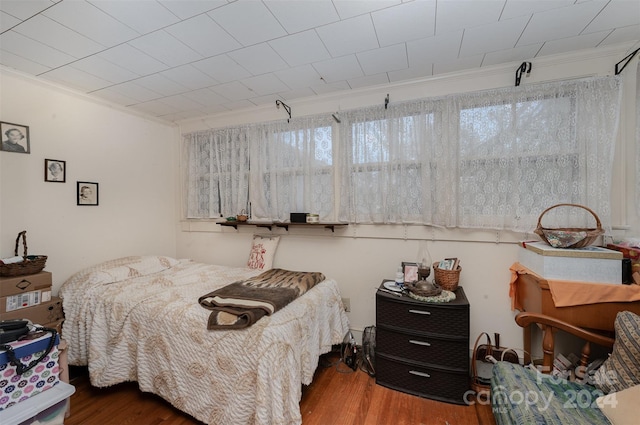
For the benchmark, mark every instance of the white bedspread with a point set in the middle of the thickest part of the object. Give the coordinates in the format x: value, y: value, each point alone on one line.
x: 151, y: 329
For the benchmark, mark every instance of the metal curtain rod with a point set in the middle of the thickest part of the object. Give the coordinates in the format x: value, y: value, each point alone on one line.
x: 626, y: 61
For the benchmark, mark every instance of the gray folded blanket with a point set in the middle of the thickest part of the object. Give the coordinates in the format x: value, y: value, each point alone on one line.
x: 241, y: 304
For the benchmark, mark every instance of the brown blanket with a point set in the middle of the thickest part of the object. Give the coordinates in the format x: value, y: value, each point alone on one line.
x: 241, y: 304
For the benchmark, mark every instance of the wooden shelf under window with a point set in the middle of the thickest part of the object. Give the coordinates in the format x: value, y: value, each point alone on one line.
x: 269, y: 224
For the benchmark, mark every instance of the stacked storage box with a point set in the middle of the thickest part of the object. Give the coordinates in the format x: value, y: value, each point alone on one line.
x: 29, y: 297
x: 589, y: 264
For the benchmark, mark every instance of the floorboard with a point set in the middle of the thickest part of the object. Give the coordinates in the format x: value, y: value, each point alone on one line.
x: 333, y: 398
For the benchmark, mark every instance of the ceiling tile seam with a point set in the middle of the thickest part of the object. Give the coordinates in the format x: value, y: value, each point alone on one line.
x: 501, y: 13
x: 275, y: 17
x: 594, y: 18
x: 435, y: 19
x: 603, y: 40
x: 29, y: 59
x: 523, y: 31
x: 22, y: 21
x: 375, y: 31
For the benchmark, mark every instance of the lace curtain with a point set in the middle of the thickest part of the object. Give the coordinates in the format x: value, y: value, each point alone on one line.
x: 292, y: 169
x: 216, y: 172
x: 492, y: 159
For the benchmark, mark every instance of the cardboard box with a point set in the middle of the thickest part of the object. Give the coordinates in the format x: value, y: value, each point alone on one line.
x: 590, y: 264
x: 21, y: 284
x: 24, y: 300
x: 46, y: 312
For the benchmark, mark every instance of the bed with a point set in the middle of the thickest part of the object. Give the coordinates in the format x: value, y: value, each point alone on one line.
x: 138, y: 319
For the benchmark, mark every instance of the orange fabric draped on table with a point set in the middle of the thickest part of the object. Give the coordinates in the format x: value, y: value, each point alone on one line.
x: 567, y: 293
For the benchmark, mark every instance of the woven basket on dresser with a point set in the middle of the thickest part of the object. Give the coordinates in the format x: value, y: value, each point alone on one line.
x: 446, y: 279
x: 590, y: 234
x: 30, y: 265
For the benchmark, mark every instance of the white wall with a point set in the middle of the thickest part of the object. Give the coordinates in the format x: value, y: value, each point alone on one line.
x: 359, y: 257
x: 132, y: 158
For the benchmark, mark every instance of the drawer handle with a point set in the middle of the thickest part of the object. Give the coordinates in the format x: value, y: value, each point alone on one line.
x: 423, y: 343
x: 422, y: 374
x: 426, y: 313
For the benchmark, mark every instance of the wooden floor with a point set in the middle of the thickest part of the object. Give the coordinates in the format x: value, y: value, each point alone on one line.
x: 332, y: 398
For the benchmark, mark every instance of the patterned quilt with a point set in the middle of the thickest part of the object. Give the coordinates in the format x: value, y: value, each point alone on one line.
x: 138, y: 319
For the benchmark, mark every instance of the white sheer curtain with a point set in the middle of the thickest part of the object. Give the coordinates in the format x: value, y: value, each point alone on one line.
x: 492, y: 159
x: 389, y: 164
x: 216, y: 165
x: 292, y: 168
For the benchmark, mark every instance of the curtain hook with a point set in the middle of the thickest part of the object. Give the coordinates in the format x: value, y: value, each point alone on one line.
x: 525, y: 67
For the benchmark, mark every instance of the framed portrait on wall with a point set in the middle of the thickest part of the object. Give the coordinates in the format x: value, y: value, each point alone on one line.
x: 55, y: 170
x: 87, y: 193
x: 15, y: 138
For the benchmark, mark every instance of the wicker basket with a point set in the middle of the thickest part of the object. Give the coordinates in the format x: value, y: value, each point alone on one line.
x: 32, y: 264
x: 557, y: 235
x: 446, y: 279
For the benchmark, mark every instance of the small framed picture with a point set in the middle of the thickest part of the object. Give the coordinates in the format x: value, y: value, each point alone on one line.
x: 55, y: 170
x: 87, y: 193
x: 410, y: 272
x: 15, y: 138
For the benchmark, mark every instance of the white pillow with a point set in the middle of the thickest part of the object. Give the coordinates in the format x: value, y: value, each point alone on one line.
x: 127, y: 268
x: 263, y: 249
x: 621, y: 408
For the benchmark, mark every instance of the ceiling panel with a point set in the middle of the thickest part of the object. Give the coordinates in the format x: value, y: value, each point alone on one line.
x: 619, y: 13
x: 90, y: 21
x: 104, y: 69
x: 23, y: 9
x: 522, y: 53
x: 491, y: 37
x: 160, y: 84
x: 156, y: 108
x: 22, y: 64
x: 453, y: 15
x: 296, y: 15
x: 259, y: 59
x: 204, y: 35
x: 349, y: 36
x: 369, y: 80
x: 350, y: 8
x: 233, y: 91
x: 330, y: 88
x: 392, y: 58
x: 136, y: 92
x: 413, y: 72
x: 343, y: 68
x: 185, y: 9
x: 299, y: 77
x: 266, y: 84
x: 621, y: 35
x: 424, y: 52
x: 70, y: 76
x: 33, y: 50
x: 222, y: 68
x: 182, y: 102
x: 249, y: 22
x: 584, y: 41
x: 297, y: 94
x: 206, y: 97
x: 409, y: 21
x: 51, y: 33
x: 165, y: 48
x: 143, y: 16
x: 469, y: 62
x: 301, y: 48
x: 265, y: 100
x: 240, y: 104
x: 560, y: 23
x: 190, y: 77
x: 114, y: 96
x: 7, y: 21
x: 516, y: 8
x: 134, y: 60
